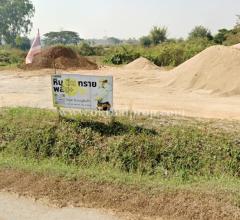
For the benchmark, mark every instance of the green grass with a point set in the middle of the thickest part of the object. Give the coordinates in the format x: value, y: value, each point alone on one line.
x: 167, y: 149
x: 224, y: 187
x: 108, y: 174
x: 157, y: 154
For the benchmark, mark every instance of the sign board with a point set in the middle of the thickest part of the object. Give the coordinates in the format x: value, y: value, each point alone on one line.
x: 83, y: 92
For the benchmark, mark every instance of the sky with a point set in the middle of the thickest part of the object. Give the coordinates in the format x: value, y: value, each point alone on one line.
x: 132, y: 18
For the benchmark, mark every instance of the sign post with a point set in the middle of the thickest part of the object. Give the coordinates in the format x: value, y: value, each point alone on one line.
x: 83, y: 92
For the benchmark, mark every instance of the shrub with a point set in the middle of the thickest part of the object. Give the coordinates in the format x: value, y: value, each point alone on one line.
x: 9, y: 56
x: 169, y: 150
x: 73, y: 144
x: 170, y: 53
x: 121, y: 55
x: 233, y: 37
x: 145, y: 41
x: 84, y: 49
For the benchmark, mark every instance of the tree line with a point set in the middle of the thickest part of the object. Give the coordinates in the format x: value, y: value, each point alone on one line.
x: 16, y: 23
x: 158, y: 35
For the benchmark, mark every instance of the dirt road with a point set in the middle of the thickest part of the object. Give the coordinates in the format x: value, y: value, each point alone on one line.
x: 133, y: 90
x: 13, y: 207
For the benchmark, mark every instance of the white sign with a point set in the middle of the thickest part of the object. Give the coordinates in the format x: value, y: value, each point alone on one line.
x: 83, y: 92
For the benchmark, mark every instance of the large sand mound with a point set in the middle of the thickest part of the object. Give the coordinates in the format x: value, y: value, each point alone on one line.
x: 236, y: 46
x: 216, y: 69
x: 63, y: 57
x: 141, y: 64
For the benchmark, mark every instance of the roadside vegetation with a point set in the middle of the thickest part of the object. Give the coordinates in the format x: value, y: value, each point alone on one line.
x: 11, y: 57
x: 177, y: 150
x: 159, y: 162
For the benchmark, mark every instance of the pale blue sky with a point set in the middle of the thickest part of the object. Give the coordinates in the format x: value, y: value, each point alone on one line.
x: 133, y: 18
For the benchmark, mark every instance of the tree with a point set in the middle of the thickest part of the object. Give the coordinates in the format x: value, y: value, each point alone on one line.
x: 85, y: 49
x: 15, y: 19
x: 113, y: 41
x: 200, y: 32
x: 233, y: 37
x: 237, y: 26
x: 61, y: 37
x: 145, y: 41
x: 158, y: 35
x: 131, y: 41
x: 23, y: 43
x: 221, y: 36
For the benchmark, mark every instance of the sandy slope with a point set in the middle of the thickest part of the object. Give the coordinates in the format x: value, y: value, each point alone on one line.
x: 16, y: 208
x: 216, y: 69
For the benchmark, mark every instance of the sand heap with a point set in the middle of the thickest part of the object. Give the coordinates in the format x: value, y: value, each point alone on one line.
x: 216, y: 69
x: 64, y: 58
x: 141, y: 64
x: 236, y: 46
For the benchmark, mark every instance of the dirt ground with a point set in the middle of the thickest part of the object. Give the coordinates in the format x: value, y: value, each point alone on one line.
x: 162, y: 204
x: 134, y: 89
x: 13, y: 207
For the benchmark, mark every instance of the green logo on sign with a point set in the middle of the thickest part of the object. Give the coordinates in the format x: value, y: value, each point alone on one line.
x: 70, y: 87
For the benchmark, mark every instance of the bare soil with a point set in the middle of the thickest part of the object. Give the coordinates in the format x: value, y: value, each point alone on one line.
x: 13, y: 207
x: 134, y: 90
x: 142, y: 204
x: 61, y: 58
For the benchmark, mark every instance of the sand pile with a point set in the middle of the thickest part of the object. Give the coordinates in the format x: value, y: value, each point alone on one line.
x: 64, y: 58
x: 216, y: 69
x: 141, y: 64
x: 236, y: 46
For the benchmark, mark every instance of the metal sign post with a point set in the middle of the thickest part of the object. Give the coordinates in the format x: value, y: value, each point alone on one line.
x: 57, y: 107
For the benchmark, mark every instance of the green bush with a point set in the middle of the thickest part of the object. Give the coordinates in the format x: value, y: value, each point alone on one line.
x: 232, y: 37
x: 121, y: 55
x: 177, y: 149
x: 9, y: 56
x: 167, y: 54
x: 36, y: 142
x: 193, y: 47
x: 72, y: 143
x: 171, y: 53
x: 84, y: 49
x: 168, y: 150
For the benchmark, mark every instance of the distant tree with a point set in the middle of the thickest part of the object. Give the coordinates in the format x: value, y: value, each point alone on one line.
x: 158, y: 35
x: 237, y: 26
x: 85, y: 49
x: 200, y: 32
x: 113, y: 40
x: 233, y: 37
x: 23, y: 43
x: 146, y: 41
x: 91, y: 42
x: 15, y: 19
x: 61, y: 37
x: 132, y: 41
x: 221, y: 36
x: 172, y: 40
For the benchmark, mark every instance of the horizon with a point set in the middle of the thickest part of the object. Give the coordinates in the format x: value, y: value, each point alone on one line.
x: 98, y: 19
